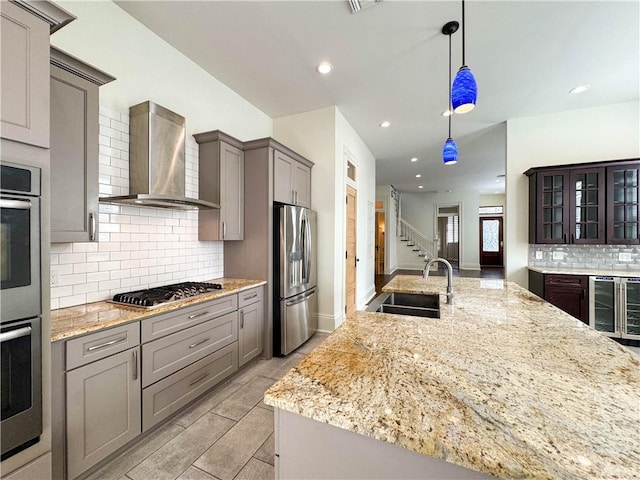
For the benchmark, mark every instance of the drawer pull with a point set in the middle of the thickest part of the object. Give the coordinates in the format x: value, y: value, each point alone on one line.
x: 193, y: 345
x: 108, y: 344
x: 241, y: 318
x: 196, y: 315
x: 251, y: 296
x: 200, y: 378
x: 135, y: 364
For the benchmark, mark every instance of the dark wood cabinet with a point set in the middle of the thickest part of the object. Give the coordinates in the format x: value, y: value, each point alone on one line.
x: 569, y: 293
x: 585, y: 203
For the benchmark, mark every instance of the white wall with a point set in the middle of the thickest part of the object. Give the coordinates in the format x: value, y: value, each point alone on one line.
x: 492, y: 200
x: 148, y: 68
x: 587, y: 135
x: 323, y: 136
x: 312, y: 135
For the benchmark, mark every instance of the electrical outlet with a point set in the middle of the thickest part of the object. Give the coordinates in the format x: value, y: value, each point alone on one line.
x: 558, y: 255
x: 54, y: 278
x: 538, y: 255
x: 624, y: 257
x: 208, y: 262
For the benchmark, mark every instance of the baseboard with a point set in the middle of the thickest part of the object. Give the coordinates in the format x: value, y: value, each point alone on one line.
x: 469, y: 266
x: 327, y: 323
x: 370, y: 295
x: 411, y: 266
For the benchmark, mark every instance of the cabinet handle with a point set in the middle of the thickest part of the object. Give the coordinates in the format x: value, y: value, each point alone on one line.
x: 196, y: 315
x: 573, y: 240
x: 224, y: 230
x: 107, y: 344
x: 241, y: 318
x: 194, y: 345
x: 296, y: 196
x: 564, y: 237
x: 293, y: 196
x: 251, y: 296
x: 92, y: 227
x: 135, y: 364
x: 200, y: 378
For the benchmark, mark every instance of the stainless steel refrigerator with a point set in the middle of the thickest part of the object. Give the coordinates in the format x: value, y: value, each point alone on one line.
x: 295, y: 303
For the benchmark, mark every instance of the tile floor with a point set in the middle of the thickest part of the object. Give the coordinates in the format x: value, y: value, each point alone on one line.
x: 227, y: 434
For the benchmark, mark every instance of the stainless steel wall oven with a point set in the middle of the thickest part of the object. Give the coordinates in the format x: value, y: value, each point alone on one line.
x: 20, y: 308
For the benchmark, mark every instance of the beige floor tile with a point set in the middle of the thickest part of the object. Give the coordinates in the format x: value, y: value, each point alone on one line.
x: 120, y: 465
x: 278, y: 366
x: 267, y: 451
x: 207, y: 403
x: 264, y: 405
x: 256, y: 470
x: 250, y: 371
x: 312, y: 343
x: 230, y: 454
x: 244, y: 399
x: 193, y: 473
x: 175, y: 456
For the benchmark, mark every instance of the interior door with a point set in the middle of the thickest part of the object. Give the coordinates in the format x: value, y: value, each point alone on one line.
x: 350, y: 267
x: 491, y: 242
x: 379, y: 255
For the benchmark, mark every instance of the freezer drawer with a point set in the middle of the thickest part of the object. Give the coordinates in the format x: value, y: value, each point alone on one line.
x: 298, y: 321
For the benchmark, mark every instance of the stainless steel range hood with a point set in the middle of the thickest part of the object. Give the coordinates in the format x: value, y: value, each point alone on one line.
x: 157, y: 161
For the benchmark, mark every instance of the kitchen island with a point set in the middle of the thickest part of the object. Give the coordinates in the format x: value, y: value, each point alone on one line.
x: 502, y: 383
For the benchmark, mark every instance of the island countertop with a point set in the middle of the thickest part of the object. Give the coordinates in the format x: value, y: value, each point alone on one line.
x: 503, y: 383
x: 73, y: 321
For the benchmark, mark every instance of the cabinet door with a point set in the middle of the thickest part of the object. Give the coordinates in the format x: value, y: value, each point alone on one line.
x: 103, y: 409
x: 623, y: 207
x: 552, y: 212
x: 302, y: 185
x: 250, y: 331
x: 74, y: 158
x: 569, y: 293
x: 24, y: 74
x: 231, y: 192
x: 283, y: 177
x: 587, y: 206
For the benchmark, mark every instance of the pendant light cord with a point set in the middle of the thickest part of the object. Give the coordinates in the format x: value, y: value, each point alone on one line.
x: 463, y: 25
x: 449, y: 87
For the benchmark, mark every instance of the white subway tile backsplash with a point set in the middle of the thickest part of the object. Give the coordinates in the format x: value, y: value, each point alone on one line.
x: 601, y: 257
x: 138, y: 247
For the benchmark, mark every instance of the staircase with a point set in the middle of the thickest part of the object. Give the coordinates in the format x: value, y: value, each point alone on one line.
x: 416, y: 241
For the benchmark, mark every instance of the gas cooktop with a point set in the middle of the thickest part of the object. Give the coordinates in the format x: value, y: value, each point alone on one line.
x: 159, y: 296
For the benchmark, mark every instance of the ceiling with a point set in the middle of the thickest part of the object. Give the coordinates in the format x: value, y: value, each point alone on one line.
x: 391, y: 63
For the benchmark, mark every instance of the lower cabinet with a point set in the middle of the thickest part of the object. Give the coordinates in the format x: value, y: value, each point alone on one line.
x: 251, y: 314
x: 103, y: 409
x: 567, y: 292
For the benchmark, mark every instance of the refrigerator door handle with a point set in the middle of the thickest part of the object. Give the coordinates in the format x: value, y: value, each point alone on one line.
x: 303, y: 299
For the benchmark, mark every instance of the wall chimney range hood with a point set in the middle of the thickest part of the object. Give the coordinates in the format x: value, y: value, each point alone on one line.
x: 157, y: 161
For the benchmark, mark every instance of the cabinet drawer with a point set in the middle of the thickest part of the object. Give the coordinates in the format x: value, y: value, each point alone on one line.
x: 90, y: 348
x: 580, y: 281
x: 162, y: 325
x: 166, y: 396
x: 250, y: 296
x: 169, y: 354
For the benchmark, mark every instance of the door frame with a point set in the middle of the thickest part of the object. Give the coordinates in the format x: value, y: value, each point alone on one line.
x: 436, y: 215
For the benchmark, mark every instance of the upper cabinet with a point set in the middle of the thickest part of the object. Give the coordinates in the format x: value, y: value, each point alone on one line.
x: 24, y: 73
x: 291, y: 179
x: 221, y: 181
x: 584, y: 203
x: 74, y: 148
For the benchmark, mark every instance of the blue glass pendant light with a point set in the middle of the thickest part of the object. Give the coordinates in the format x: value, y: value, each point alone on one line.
x: 464, y: 91
x: 450, y: 149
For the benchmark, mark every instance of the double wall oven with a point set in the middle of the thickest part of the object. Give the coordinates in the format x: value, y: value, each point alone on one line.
x: 20, y: 308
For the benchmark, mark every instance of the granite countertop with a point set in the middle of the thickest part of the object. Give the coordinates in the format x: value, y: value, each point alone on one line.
x: 73, y: 321
x: 503, y: 383
x: 585, y: 271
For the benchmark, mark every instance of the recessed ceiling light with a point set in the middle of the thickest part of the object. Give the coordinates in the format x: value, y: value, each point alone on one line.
x: 496, y: 192
x: 414, y: 159
x: 580, y: 89
x: 418, y: 176
x: 447, y: 113
x: 324, y: 68
x: 420, y: 186
x: 385, y: 124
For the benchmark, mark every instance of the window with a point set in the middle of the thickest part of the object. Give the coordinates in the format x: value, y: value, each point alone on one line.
x: 497, y: 210
x: 452, y: 229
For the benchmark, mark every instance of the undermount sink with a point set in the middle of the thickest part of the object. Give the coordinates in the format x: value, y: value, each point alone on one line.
x: 413, y: 304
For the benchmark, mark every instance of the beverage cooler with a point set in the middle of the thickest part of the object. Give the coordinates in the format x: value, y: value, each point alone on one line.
x: 614, y: 306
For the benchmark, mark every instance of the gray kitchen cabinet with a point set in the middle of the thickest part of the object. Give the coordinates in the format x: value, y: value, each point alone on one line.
x: 221, y: 181
x: 102, y: 409
x: 74, y: 148
x: 251, y: 312
x: 291, y: 180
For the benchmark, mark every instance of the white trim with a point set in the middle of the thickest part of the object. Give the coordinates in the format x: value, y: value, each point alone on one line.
x: 370, y: 295
x: 327, y: 323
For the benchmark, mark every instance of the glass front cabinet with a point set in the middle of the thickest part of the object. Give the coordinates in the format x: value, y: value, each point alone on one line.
x: 585, y: 203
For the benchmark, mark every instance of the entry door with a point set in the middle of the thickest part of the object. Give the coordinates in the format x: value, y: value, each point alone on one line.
x: 491, y: 242
x: 379, y: 270
x: 350, y: 267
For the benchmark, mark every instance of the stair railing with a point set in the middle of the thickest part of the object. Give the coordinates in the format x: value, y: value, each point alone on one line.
x: 417, y: 241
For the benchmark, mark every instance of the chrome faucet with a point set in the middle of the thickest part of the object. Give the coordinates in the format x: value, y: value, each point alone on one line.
x: 425, y: 275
